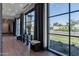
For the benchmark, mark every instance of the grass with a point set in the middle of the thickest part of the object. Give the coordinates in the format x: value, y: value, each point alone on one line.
x: 65, y: 39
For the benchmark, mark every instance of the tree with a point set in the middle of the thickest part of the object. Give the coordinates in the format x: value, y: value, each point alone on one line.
x: 73, y: 22
x: 55, y: 24
x: 59, y: 24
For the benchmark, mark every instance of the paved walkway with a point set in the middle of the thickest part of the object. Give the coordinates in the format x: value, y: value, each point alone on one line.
x: 65, y: 33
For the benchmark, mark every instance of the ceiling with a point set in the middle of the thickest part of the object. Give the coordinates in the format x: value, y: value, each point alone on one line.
x: 12, y: 10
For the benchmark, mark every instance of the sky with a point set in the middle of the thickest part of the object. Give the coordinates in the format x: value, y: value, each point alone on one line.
x: 58, y: 8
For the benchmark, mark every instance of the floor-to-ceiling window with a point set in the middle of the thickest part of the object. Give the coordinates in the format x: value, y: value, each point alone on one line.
x: 29, y: 23
x: 63, y: 28
x: 58, y: 27
x: 74, y: 28
x: 18, y: 27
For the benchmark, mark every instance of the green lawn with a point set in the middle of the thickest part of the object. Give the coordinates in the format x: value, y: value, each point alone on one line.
x: 65, y: 39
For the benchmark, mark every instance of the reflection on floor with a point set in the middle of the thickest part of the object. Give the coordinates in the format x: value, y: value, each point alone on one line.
x: 13, y: 47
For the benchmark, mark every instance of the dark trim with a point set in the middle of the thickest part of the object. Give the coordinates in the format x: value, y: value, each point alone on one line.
x: 21, y: 24
x: 69, y: 16
x: 64, y: 13
x: 54, y: 52
x: 48, y: 27
x: 39, y: 8
x: 29, y: 11
x: 69, y: 31
x: 58, y: 15
x: 14, y: 27
x: 46, y: 49
x: 18, y: 18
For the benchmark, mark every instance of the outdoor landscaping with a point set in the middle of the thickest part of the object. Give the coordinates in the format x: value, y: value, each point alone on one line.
x: 59, y: 37
x: 61, y: 43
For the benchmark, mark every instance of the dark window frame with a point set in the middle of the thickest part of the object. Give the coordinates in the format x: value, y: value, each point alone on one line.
x: 33, y: 9
x: 69, y: 13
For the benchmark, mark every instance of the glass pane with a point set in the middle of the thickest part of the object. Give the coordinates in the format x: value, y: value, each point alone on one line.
x: 30, y: 23
x: 59, y: 33
x: 74, y: 6
x: 58, y: 8
x: 33, y: 15
x: 74, y: 33
x: 18, y: 27
x: 32, y: 30
x: 26, y: 16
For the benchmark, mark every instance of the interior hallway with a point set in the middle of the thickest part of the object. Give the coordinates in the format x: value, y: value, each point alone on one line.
x: 23, y: 20
x: 14, y: 47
